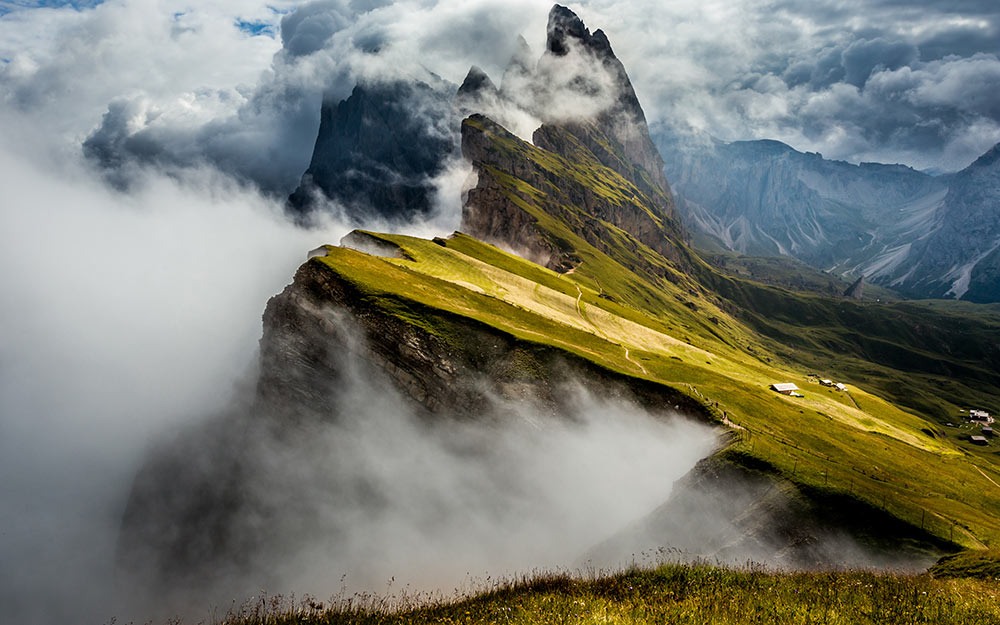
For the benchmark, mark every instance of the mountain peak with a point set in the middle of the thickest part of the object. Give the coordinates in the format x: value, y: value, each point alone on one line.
x: 566, y: 29
x: 476, y: 81
x: 563, y: 26
x: 991, y: 157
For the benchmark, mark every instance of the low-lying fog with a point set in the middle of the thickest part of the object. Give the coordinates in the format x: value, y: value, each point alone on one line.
x: 127, y: 317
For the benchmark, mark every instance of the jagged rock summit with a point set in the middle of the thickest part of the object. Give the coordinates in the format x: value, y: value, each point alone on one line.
x: 477, y: 82
x: 623, y: 118
x: 378, y: 151
x: 591, y: 173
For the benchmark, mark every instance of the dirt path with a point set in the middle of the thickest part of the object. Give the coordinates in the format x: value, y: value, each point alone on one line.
x: 629, y: 358
x: 852, y: 400
x: 986, y: 476
x: 579, y: 311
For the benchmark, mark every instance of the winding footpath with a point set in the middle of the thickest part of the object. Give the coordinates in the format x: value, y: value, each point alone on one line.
x: 579, y: 311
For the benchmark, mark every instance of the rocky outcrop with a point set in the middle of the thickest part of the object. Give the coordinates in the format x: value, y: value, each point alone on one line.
x: 520, y: 185
x: 856, y: 290
x: 377, y: 152
x: 622, y: 120
x: 322, y: 320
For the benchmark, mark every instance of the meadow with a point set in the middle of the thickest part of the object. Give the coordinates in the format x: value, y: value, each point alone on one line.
x: 885, y: 468
x: 688, y: 594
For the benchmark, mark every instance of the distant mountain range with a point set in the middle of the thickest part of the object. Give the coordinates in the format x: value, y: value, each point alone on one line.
x: 924, y: 236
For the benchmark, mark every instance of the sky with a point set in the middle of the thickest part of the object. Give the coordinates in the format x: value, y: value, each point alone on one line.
x: 135, y: 271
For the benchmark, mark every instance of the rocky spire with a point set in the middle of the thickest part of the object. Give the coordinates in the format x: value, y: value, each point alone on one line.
x: 520, y: 67
x: 856, y: 290
x: 476, y: 82
x: 564, y: 26
x: 624, y: 120
x: 565, y: 29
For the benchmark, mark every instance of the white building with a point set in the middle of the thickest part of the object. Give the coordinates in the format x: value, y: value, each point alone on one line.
x: 785, y: 388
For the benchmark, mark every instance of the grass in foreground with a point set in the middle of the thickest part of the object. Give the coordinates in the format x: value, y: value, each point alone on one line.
x: 674, y: 593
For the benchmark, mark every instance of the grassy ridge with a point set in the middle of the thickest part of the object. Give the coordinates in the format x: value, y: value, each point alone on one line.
x: 671, y: 318
x: 858, y: 446
x: 979, y: 563
x: 932, y: 358
x: 679, y: 594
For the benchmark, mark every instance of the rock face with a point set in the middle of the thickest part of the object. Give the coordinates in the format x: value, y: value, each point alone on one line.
x: 856, y: 290
x: 526, y: 197
x: 593, y: 170
x: 378, y: 151
x: 925, y: 236
x: 622, y: 119
x: 961, y: 258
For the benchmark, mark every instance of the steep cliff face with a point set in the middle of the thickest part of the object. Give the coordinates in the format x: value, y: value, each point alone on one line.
x: 591, y: 169
x: 621, y: 122
x: 377, y: 151
x: 530, y: 198
x: 961, y: 258
x: 447, y: 365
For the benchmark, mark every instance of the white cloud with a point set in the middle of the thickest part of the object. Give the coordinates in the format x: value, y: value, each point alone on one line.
x: 125, y: 316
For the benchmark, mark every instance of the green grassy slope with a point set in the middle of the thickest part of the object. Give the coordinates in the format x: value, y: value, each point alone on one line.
x: 933, y: 359
x: 790, y: 273
x: 978, y: 563
x: 680, y: 594
x: 859, y: 446
x: 666, y: 316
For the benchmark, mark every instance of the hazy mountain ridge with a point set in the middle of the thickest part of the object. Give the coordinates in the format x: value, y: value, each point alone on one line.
x: 923, y: 235
x: 965, y: 248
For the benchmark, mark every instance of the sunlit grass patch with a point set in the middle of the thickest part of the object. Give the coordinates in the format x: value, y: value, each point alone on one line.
x: 694, y: 594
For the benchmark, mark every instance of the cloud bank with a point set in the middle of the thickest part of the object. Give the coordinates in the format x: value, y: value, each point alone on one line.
x: 238, y: 85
